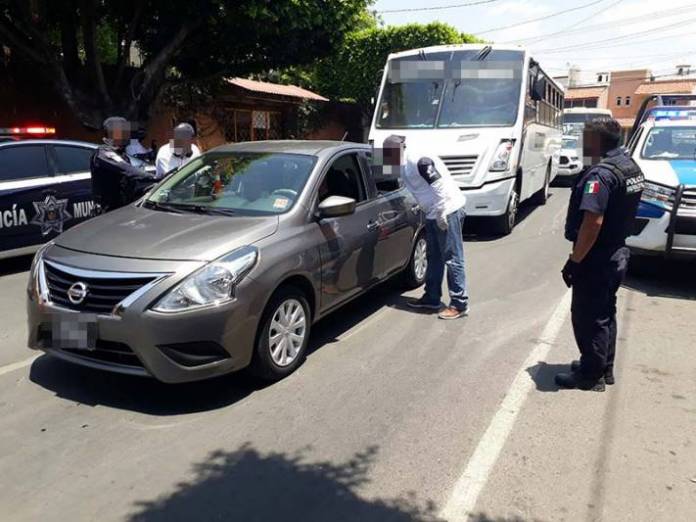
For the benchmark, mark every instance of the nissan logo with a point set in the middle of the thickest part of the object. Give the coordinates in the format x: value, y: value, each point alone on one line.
x: 77, y: 293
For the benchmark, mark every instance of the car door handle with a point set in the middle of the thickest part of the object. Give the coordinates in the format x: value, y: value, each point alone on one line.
x: 372, y: 226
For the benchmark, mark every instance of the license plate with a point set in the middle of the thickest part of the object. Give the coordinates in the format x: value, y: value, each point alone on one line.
x: 75, y: 331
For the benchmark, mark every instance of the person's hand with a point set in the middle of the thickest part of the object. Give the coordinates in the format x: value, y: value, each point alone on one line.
x: 570, y: 272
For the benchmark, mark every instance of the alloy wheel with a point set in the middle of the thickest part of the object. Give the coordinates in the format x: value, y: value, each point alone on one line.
x: 287, y: 332
x: 420, y: 259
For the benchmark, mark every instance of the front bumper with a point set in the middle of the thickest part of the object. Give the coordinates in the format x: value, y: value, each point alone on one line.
x: 571, y: 169
x: 489, y: 200
x: 172, y: 347
x: 663, y: 232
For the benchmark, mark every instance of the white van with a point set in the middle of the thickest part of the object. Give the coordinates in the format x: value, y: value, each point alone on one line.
x: 488, y: 111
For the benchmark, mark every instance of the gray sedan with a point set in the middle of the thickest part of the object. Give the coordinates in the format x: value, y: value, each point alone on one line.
x: 226, y: 263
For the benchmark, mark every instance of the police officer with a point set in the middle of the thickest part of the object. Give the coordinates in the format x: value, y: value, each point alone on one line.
x: 116, y: 182
x: 602, y: 208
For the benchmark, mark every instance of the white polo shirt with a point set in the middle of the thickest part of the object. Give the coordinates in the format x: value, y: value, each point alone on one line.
x: 168, y: 161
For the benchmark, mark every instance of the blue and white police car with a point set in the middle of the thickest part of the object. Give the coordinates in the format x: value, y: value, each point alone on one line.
x: 45, y: 188
x: 665, y: 149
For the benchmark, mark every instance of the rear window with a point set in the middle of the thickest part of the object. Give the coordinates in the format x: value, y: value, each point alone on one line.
x: 71, y: 160
x: 23, y: 162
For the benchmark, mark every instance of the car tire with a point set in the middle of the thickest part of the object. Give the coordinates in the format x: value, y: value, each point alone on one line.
x: 541, y: 197
x: 267, y: 362
x: 503, y: 225
x: 642, y: 266
x: 414, y: 275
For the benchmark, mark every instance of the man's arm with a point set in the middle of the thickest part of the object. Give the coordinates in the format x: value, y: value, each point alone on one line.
x: 587, y: 235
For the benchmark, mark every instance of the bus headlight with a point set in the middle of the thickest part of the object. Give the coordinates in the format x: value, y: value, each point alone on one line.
x: 213, y: 284
x: 501, y: 158
x: 659, y: 195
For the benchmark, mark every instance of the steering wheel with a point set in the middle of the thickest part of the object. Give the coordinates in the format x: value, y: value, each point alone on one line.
x: 290, y: 193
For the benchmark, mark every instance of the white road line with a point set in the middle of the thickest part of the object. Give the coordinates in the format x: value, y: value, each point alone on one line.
x: 16, y: 366
x: 465, y: 493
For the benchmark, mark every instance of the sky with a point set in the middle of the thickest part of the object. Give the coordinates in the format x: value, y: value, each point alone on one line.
x: 605, y: 35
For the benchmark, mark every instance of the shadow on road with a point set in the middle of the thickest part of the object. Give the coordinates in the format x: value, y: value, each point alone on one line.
x: 658, y: 277
x: 543, y: 373
x: 15, y: 265
x: 151, y: 397
x: 246, y: 485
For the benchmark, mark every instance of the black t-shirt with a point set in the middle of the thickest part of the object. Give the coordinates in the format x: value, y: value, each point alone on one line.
x: 603, y: 190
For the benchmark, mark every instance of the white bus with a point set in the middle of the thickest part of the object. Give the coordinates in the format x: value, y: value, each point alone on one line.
x: 488, y: 111
x: 574, y: 119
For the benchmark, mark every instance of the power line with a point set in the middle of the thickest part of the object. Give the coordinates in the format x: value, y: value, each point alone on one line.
x: 592, y: 45
x: 545, y: 17
x: 623, y: 21
x: 567, y: 29
x: 437, y: 8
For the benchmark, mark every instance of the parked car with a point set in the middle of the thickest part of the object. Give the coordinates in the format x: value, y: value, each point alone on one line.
x: 666, y: 221
x: 570, y: 163
x: 45, y: 188
x: 226, y: 263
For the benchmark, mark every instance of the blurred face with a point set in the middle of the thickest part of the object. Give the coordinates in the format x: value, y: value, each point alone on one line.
x: 182, y: 143
x: 119, y: 134
x: 591, y: 148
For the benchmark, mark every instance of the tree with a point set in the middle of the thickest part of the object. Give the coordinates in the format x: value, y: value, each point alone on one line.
x: 84, y: 46
x: 355, y: 71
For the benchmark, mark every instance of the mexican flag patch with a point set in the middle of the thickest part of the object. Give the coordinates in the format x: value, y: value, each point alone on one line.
x: 592, y: 187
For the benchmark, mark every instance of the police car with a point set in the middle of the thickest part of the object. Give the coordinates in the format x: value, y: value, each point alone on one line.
x: 665, y: 150
x: 45, y: 188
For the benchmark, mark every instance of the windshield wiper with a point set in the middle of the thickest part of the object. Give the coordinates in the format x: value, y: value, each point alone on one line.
x: 483, y: 53
x: 155, y: 205
x: 202, y: 209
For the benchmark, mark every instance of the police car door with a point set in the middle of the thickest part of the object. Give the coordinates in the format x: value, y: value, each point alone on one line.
x: 27, y: 216
x: 73, y: 179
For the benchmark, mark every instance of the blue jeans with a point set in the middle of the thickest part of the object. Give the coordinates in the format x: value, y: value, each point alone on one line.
x: 446, y: 249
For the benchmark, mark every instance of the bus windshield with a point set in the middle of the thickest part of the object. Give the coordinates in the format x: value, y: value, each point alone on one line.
x: 452, y: 89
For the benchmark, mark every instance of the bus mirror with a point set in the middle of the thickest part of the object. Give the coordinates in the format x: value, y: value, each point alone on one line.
x: 538, y: 89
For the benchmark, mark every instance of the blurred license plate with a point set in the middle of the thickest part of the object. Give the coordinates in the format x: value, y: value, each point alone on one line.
x: 76, y: 331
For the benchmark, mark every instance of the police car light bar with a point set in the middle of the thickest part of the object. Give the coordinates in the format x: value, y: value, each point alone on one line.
x: 672, y: 115
x: 27, y: 130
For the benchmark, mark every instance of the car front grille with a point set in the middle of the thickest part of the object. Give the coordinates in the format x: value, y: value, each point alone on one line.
x: 103, y: 293
x: 459, y: 165
x: 688, y: 201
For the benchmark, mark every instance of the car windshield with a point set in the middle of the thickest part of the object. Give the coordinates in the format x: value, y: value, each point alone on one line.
x: 671, y: 143
x: 583, y: 117
x: 570, y: 143
x: 452, y: 89
x: 235, y: 182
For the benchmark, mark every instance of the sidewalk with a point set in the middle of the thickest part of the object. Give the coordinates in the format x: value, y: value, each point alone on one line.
x: 626, y: 454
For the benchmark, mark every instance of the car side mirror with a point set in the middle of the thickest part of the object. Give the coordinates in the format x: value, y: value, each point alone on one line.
x: 336, y: 206
x: 538, y: 89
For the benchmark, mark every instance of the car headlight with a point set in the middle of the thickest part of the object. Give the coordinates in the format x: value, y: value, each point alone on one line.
x: 211, y: 285
x: 659, y: 195
x: 501, y: 158
x: 35, y: 287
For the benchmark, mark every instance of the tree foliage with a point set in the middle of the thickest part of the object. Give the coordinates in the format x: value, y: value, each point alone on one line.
x: 355, y: 71
x: 84, y: 46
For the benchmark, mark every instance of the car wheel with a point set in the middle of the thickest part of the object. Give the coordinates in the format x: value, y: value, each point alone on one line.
x: 414, y: 275
x: 504, y: 224
x: 541, y: 197
x: 283, y: 335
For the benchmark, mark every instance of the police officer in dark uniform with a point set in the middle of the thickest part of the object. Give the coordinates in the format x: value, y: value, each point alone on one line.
x: 115, y: 181
x: 602, y: 208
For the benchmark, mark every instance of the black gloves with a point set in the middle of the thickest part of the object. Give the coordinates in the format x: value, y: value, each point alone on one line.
x: 569, y: 272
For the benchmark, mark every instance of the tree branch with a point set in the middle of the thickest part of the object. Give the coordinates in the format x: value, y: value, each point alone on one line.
x: 91, y: 49
x: 22, y: 44
x: 125, y: 54
x: 157, y: 65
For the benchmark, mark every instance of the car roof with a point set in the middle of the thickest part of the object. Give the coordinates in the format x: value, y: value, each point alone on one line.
x: 308, y: 147
x: 49, y: 142
x: 669, y: 123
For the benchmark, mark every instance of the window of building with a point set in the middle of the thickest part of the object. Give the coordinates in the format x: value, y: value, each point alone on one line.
x: 618, y: 101
x: 628, y: 101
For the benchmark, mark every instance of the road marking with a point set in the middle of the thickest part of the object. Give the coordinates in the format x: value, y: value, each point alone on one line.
x: 465, y: 493
x: 16, y: 366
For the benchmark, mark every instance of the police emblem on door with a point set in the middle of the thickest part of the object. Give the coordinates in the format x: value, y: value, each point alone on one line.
x: 51, y: 214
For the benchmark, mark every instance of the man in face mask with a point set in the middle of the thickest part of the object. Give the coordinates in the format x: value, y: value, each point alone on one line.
x: 178, y: 151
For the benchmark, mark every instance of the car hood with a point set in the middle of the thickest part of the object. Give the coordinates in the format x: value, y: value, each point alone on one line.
x: 142, y: 233
x: 669, y: 172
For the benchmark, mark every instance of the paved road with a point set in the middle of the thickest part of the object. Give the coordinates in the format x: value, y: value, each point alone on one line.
x: 394, y: 415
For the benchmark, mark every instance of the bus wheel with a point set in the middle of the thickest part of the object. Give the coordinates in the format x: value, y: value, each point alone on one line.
x: 505, y: 223
x: 541, y: 197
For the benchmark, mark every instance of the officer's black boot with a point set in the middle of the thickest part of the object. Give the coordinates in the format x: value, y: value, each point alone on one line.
x: 575, y: 380
x: 608, y: 373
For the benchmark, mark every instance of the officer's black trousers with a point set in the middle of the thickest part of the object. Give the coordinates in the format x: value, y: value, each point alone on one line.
x: 594, y: 309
